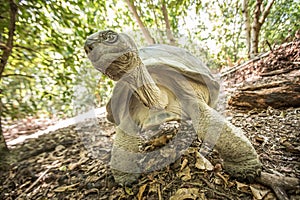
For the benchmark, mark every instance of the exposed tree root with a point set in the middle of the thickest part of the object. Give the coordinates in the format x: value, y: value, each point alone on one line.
x: 279, y: 184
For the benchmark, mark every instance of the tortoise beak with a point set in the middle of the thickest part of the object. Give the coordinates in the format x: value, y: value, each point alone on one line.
x: 88, y: 46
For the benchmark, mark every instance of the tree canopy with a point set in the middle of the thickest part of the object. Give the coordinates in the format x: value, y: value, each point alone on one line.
x: 47, y: 61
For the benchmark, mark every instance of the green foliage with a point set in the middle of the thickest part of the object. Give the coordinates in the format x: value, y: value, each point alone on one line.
x: 222, y: 22
x: 48, y: 55
x: 283, y: 22
x: 48, y: 67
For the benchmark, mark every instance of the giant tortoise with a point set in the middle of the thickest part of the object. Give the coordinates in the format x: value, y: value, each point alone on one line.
x: 158, y: 84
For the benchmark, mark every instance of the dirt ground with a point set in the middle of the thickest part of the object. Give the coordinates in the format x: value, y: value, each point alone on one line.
x: 60, y: 165
x: 73, y: 163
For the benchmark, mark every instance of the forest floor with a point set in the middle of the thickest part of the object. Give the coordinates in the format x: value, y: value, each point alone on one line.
x: 73, y: 163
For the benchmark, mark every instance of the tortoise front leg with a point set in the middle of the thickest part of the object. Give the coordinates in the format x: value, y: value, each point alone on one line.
x: 124, y: 158
x: 240, y: 158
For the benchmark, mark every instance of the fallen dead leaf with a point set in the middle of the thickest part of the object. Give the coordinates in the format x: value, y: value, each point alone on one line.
x: 185, y: 174
x: 184, y: 164
x: 66, y: 188
x: 242, y: 187
x: 202, y: 163
x: 93, y: 190
x: 186, y: 193
x: 218, y: 181
x: 72, y: 166
x: 141, y: 191
x: 92, y: 179
x: 153, y: 187
x: 128, y: 190
x: 259, y: 193
x: 260, y: 138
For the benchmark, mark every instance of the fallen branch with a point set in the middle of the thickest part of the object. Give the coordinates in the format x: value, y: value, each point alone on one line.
x: 279, y: 184
x: 264, y: 86
x: 281, y: 71
x: 274, y: 94
x: 238, y: 67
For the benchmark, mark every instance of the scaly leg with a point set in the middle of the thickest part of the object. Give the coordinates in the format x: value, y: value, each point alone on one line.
x: 240, y: 158
x: 124, y: 157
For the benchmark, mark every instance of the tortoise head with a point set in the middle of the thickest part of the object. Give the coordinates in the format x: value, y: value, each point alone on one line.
x: 116, y: 55
x: 113, y: 54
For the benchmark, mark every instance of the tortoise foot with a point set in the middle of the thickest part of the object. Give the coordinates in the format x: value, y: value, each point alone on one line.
x: 170, y: 127
x: 159, y: 138
x: 244, y: 170
x: 125, y: 179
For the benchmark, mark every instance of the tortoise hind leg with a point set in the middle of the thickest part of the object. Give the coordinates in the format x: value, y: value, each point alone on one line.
x: 240, y: 158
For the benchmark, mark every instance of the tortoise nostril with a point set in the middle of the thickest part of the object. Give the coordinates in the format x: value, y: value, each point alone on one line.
x: 88, y: 48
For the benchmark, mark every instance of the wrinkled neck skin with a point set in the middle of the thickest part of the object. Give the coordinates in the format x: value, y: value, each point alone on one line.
x: 144, y: 86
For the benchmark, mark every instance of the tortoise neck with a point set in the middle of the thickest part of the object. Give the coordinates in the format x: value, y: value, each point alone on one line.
x: 145, y: 87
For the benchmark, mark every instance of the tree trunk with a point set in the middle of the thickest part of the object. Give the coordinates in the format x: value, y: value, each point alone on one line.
x: 266, y: 11
x: 9, y: 44
x: 260, y: 15
x: 168, y: 27
x: 3, y: 146
x: 247, y: 24
x: 256, y: 26
x: 145, y: 31
x: 4, y: 58
x: 252, y: 29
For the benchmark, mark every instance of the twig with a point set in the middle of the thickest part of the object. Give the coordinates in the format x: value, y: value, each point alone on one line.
x: 281, y: 71
x: 3, y: 46
x: 222, y: 177
x: 269, y: 45
x: 37, y: 180
x: 34, y: 183
x: 159, y: 192
x: 238, y: 67
x: 265, y: 86
x: 221, y: 194
x: 280, y: 193
x: 211, y: 187
x: 167, y: 23
x: 7, y: 75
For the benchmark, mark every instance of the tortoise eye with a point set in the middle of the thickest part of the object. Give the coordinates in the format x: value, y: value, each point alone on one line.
x: 109, y: 37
